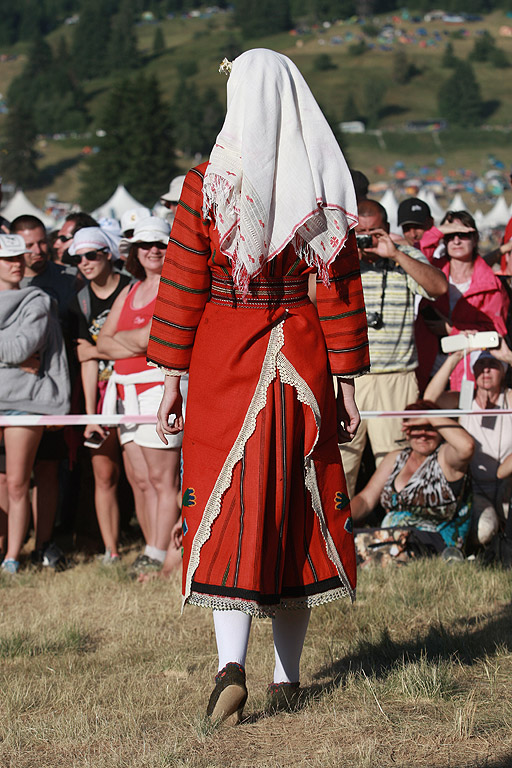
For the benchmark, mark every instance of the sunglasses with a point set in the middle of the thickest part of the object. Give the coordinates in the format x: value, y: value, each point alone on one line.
x: 149, y: 246
x: 460, y: 235
x: 90, y: 256
x: 64, y: 238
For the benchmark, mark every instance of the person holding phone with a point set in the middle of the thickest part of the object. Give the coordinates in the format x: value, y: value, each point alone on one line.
x: 91, y: 252
x: 492, y: 434
x: 475, y: 301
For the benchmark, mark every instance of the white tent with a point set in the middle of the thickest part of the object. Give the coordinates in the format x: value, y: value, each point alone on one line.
x: 498, y: 216
x: 457, y: 204
x: 479, y: 220
x: 390, y: 203
x: 430, y: 199
x: 114, y: 208
x: 20, y: 205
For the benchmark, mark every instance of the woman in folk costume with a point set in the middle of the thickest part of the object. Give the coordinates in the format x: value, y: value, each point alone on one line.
x: 266, y: 520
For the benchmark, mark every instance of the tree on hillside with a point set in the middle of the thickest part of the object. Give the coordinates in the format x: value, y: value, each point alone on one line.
x: 122, y: 50
x: 197, y: 118
x: 350, y: 109
x: 459, y: 98
x: 48, y: 90
x: 257, y: 18
x: 18, y: 157
x: 403, y: 69
x: 158, y: 41
x: 91, y: 39
x: 137, y: 150
x: 449, y: 59
x: 373, y: 93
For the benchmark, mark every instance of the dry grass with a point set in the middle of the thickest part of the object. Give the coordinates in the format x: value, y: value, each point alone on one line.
x: 100, y: 671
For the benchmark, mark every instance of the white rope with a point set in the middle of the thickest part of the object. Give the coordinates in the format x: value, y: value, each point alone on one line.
x: 116, y: 419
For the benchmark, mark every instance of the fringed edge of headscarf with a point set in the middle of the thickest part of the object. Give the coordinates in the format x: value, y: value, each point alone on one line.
x: 219, y: 193
x: 313, y: 259
x: 218, y: 196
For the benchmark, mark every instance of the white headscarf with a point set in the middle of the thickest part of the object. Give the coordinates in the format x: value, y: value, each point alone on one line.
x: 276, y: 173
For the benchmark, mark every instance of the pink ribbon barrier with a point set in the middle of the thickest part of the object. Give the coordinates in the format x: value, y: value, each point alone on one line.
x: 116, y: 419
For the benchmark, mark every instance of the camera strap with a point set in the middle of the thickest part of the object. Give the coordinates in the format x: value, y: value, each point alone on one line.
x: 383, y: 290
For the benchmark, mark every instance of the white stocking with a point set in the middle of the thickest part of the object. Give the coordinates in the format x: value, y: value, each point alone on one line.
x: 232, y: 634
x: 289, y: 629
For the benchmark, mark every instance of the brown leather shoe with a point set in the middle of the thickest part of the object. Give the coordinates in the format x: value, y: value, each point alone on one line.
x: 228, y: 698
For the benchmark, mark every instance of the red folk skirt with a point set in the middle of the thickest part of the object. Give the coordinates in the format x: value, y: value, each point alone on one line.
x: 266, y: 517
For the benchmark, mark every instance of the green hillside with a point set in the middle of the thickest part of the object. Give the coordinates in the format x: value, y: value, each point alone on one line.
x: 195, y: 46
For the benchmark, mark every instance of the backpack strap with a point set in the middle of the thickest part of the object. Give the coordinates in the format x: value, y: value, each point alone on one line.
x: 84, y: 302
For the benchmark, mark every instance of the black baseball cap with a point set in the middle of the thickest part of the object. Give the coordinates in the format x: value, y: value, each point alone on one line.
x: 413, y: 211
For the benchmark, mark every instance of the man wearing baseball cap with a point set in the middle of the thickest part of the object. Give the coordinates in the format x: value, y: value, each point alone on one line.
x: 415, y: 218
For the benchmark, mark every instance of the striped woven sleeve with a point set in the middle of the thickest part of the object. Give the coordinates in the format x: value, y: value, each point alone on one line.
x: 343, y: 316
x: 185, y: 281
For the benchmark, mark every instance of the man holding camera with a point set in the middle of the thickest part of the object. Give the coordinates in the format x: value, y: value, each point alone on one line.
x: 392, y: 274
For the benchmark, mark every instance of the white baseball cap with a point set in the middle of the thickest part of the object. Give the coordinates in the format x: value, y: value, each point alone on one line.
x: 132, y: 216
x: 174, y: 193
x: 149, y: 230
x: 12, y: 245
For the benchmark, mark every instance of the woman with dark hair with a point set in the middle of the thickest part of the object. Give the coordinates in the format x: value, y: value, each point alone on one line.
x: 91, y: 251
x: 152, y: 468
x: 476, y: 299
x: 424, y: 489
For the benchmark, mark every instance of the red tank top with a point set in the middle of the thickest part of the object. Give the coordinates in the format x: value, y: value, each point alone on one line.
x: 132, y: 318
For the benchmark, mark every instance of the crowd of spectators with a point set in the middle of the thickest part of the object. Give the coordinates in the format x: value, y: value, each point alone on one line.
x: 75, y: 312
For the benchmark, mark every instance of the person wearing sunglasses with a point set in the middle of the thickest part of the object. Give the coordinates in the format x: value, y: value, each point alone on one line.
x: 91, y: 252
x: 476, y: 299
x: 424, y: 489
x: 72, y: 223
x: 152, y: 468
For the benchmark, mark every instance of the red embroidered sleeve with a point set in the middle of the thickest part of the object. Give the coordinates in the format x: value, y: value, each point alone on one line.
x: 184, y: 283
x: 343, y: 316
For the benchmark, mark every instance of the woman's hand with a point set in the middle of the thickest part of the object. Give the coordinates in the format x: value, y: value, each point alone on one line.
x: 439, y: 327
x: 85, y: 350
x: 177, y: 535
x: 171, y: 405
x: 348, y: 418
x: 90, y: 428
x: 502, y: 352
x: 31, y: 364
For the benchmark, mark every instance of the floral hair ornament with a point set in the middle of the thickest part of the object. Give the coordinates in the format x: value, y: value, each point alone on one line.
x: 225, y: 67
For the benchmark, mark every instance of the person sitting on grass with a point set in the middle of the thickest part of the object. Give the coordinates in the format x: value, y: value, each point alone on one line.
x: 492, y: 434
x: 424, y: 489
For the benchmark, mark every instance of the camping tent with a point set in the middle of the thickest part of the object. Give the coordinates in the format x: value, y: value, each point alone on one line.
x: 498, y: 215
x: 430, y: 199
x: 20, y: 205
x: 114, y: 208
x: 390, y: 203
x: 458, y: 204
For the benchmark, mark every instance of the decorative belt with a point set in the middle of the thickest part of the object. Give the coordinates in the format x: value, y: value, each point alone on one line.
x: 263, y: 293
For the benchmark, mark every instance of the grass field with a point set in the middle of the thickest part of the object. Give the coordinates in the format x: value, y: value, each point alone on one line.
x: 98, y: 671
